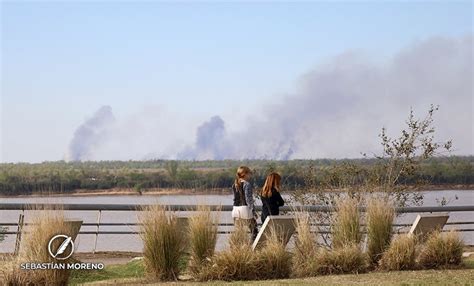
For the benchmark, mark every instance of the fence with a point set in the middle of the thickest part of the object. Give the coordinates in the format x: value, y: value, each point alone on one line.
x: 225, y: 208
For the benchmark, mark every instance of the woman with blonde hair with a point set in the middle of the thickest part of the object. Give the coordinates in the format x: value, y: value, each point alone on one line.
x: 270, y: 196
x: 244, y: 208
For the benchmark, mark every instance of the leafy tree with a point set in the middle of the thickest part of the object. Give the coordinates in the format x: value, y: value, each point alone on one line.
x: 172, y: 169
x: 402, y: 159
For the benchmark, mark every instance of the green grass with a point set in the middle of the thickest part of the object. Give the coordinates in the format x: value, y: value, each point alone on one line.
x: 424, y: 277
x: 132, y: 272
x: 129, y: 270
x: 469, y: 263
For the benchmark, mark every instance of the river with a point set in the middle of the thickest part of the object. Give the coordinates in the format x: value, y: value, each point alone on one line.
x: 110, y: 242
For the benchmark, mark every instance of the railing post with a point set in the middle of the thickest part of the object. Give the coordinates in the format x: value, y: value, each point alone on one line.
x: 19, y: 231
x: 97, y: 230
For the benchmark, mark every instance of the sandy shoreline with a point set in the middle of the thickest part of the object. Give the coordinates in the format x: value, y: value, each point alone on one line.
x: 158, y: 192
x: 124, y: 192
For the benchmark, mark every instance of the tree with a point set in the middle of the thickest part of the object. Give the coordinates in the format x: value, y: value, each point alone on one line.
x: 401, y: 157
x: 172, y: 169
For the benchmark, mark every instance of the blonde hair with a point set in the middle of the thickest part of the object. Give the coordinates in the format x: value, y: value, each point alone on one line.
x: 241, y: 172
x: 272, y: 182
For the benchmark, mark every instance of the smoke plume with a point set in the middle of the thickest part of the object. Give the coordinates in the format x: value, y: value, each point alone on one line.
x: 90, y: 134
x: 337, y: 111
x: 342, y: 105
x: 210, y: 142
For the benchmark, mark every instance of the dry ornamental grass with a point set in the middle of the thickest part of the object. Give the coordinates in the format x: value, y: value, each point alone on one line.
x: 202, y: 239
x: 401, y: 254
x: 346, y: 224
x: 305, y: 250
x: 45, y: 224
x: 238, y: 262
x: 441, y: 250
x: 274, y: 259
x: 344, y: 259
x: 163, y: 243
x: 380, y: 215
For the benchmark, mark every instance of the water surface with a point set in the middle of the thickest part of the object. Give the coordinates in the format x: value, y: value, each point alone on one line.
x: 109, y: 242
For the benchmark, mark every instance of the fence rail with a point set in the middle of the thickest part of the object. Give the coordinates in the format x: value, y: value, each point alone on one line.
x: 134, y: 207
x: 224, y: 208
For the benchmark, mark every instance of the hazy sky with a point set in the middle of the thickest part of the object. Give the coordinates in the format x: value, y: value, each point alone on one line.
x: 164, y: 69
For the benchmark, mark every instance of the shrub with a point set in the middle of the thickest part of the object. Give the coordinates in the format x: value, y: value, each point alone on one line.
x: 305, y: 250
x: 441, y: 250
x: 401, y: 254
x: 346, y: 224
x: 240, y: 236
x: 232, y: 264
x: 11, y: 274
x: 163, y: 243
x: 344, y: 259
x: 45, y: 224
x: 275, y: 261
x: 238, y: 262
x: 380, y: 214
x: 202, y: 238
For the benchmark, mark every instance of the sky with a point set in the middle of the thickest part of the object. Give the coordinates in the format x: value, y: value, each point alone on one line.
x: 193, y: 80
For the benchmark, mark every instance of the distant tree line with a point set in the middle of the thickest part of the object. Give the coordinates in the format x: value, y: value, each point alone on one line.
x: 66, y: 177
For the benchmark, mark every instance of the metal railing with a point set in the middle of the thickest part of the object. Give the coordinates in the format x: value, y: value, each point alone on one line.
x: 224, y: 208
x: 135, y: 207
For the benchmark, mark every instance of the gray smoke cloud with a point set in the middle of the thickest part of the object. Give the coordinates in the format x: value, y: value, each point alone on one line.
x: 148, y: 133
x: 342, y: 105
x: 90, y: 134
x: 211, y: 143
x: 337, y: 111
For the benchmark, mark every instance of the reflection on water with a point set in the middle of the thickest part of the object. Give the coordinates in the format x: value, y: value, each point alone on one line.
x: 132, y: 242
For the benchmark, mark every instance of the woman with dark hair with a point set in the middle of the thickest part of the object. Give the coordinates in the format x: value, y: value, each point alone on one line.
x: 270, y: 196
